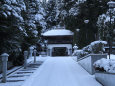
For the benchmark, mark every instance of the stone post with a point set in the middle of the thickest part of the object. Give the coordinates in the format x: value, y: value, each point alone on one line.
x: 70, y: 52
x: 51, y: 52
x: 35, y: 55
x: 48, y: 52
x: 4, y: 66
x: 25, y: 59
x: 31, y: 51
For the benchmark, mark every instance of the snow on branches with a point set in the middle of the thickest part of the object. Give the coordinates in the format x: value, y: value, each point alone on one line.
x: 103, y: 23
x: 95, y: 47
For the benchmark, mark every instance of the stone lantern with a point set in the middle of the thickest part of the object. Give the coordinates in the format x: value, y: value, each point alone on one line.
x: 31, y: 51
x: 4, y: 66
x: 75, y: 47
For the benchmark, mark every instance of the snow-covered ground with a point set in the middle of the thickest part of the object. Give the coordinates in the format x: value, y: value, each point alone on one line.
x: 38, y: 58
x: 18, y: 75
x: 61, y: 71
x: 30, y: 60
x: 111, y: 56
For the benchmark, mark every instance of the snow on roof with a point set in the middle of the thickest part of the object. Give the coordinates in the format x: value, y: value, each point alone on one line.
x: 58, y: 32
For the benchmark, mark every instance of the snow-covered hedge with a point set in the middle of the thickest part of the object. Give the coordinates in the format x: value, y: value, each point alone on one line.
x: 79, y: 53
x: 107, y: 65
x: 95, y: 47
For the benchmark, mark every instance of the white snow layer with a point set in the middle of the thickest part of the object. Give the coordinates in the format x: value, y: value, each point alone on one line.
x: 56, y: 32
x: 107, y: 64
x: 60, y: 71
x: 112, y: 56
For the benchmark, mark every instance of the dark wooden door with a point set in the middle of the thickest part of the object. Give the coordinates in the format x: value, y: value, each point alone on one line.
x: 59, y: 51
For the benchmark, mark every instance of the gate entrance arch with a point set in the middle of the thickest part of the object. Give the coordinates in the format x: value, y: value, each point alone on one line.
x: 59, y: 42
x: 59, y: 51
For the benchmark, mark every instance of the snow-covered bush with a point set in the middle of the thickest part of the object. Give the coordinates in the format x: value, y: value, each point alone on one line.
x: 87, y: 49
x: 107, y: 65
x: 95, y: 47
x: 79, y: 53
x: 82, y: 54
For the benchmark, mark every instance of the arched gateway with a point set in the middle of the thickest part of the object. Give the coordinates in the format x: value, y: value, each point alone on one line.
x: 59, y: 42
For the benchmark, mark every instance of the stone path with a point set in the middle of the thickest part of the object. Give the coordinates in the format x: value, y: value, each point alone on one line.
x: 61, y: 71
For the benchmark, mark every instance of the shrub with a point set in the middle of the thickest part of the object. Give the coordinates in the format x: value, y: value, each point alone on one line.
x: 95, y: 47
x: 107, y: 65
x: 80, y: 53
x: 98, y: 46
x: 87, y: 49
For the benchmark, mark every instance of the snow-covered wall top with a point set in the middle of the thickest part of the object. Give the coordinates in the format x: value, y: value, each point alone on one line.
x: 58, y: 32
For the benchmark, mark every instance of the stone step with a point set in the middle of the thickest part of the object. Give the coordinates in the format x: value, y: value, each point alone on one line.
x: 14, y: 80
x: 33, y: 66
x: 23, y: 72
x: 27, y: 74
x: 17, y: 76
x: 32, y: 69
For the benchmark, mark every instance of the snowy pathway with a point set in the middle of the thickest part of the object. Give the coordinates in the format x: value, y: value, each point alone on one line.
x: 61, y: 71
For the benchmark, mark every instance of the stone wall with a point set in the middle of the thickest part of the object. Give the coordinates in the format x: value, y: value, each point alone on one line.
x: 87, y: 61
x: 106, y: 79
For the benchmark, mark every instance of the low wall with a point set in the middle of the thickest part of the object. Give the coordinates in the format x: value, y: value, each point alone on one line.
x: 106, y: 79
x: 88, y: 61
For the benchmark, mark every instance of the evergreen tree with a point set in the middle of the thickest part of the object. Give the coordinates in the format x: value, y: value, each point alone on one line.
x: 90, y: 10
x: 51, y: 18
x: 34, y: 21
x: 20, y: 22
x: 105, y: 28
x: 86, y: 10
x: 11, y: 27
